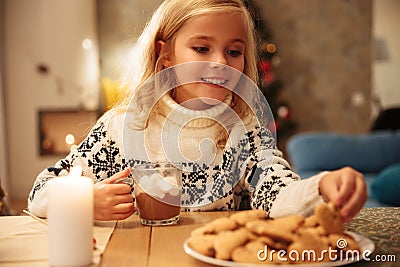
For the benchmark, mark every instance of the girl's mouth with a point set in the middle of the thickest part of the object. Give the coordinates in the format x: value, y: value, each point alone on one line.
x: 216, y: 81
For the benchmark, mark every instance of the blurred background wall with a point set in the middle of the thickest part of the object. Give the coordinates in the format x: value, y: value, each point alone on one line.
x: 45, y: 66
x: 324, y: 51
x: 386, y: 53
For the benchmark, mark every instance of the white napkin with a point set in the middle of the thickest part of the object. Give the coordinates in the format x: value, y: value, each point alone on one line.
x: 23, y: 241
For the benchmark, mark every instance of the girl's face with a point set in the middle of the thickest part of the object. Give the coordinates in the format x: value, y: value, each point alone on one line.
x: 215, y: 39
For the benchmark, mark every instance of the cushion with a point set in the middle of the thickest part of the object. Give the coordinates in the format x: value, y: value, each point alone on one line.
x: 386, y: 186
x: 369, y: 152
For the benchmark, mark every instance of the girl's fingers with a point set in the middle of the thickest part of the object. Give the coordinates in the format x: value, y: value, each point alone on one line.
x: 112, y: 189
x: 116, y: 184
x: 113, y: 179
x: 119, y: 199
x: 116, y: 201
x: 330, y: 186
x: 114, y: 216
x: 117, y: 211
x: 356, y: 201
x: 121, y: 216
x: 120, y: 189
x: 124, y: 208
x: 346, y: 189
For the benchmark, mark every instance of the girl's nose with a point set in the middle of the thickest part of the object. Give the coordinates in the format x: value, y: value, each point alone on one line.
x: 220, y: 59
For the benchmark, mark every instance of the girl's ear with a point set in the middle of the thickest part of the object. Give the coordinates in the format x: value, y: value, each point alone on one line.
x: 164, y: 53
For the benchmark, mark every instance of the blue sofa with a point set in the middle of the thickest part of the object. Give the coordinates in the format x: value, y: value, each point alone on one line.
x: 375, y: 154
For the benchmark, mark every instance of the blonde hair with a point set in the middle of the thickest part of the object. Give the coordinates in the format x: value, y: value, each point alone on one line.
x: 164, y: 24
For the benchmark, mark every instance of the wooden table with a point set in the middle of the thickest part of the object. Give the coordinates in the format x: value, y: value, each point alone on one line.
x: 133, y: 244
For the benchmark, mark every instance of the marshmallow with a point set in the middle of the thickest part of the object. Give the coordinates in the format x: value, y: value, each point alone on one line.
x: 155, y: 191
x: 174, y: 191
x: 164, y: 185
x: 154, y: 178
x: 157, y: 186
x: 171, y: 180
x: 144, y: 181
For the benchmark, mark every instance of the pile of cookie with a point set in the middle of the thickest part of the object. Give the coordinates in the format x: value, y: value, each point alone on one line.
x: 248, y: 237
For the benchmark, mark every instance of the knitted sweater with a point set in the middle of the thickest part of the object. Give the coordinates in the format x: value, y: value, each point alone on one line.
x: 249, y: 172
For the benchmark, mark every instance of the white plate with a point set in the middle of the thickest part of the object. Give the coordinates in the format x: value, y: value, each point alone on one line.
x: 365, y: 244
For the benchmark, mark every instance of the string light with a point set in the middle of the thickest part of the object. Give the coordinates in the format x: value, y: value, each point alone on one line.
x: 87, y: 44
x: 69, y: 139
x: 268, y: 47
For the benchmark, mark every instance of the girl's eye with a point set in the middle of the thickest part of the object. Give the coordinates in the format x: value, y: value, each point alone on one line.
x: 201, y: 49
x: 235, y: 53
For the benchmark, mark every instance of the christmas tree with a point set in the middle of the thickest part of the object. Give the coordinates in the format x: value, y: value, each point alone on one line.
x: 271, y: 87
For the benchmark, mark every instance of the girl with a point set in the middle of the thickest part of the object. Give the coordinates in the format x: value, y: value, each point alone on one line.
x: 197, y: 48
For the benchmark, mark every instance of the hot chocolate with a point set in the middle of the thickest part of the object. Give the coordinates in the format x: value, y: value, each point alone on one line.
x: 158, y: 193
x: 151, y: 208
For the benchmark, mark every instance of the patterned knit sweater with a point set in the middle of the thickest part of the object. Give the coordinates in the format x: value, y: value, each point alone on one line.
x: 249, y: 172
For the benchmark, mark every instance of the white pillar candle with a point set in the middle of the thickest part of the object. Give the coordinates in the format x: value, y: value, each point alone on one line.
x: 70, y: 219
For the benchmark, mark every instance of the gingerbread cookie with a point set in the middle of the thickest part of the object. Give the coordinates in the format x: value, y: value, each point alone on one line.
x: 272, y: 243
x: 203, y: 244
x: 216, y: 226
x: 329, y: 218
x: 227, y: 241
x: 310, y: 221
x: 248, y: 237
x: 248, y: 253
x: 278, y: 229
x: 309, y: 245
x: 241, y: 218
x: 254, y: 252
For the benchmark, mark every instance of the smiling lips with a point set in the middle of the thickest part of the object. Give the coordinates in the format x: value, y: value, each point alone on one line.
x: 215, y: 81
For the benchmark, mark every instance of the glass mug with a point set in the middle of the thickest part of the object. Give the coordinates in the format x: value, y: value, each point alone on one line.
x: 158, y: 192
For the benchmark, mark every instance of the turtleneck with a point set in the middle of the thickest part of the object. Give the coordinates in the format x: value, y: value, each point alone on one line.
x: 180, y: 115
x: 191, y: 134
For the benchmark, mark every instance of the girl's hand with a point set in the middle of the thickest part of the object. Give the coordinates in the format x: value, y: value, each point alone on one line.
x: 113, y: 201
x: 346, y: 188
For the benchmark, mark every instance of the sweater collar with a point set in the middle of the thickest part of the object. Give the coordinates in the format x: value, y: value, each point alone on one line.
x: 169, y: 108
